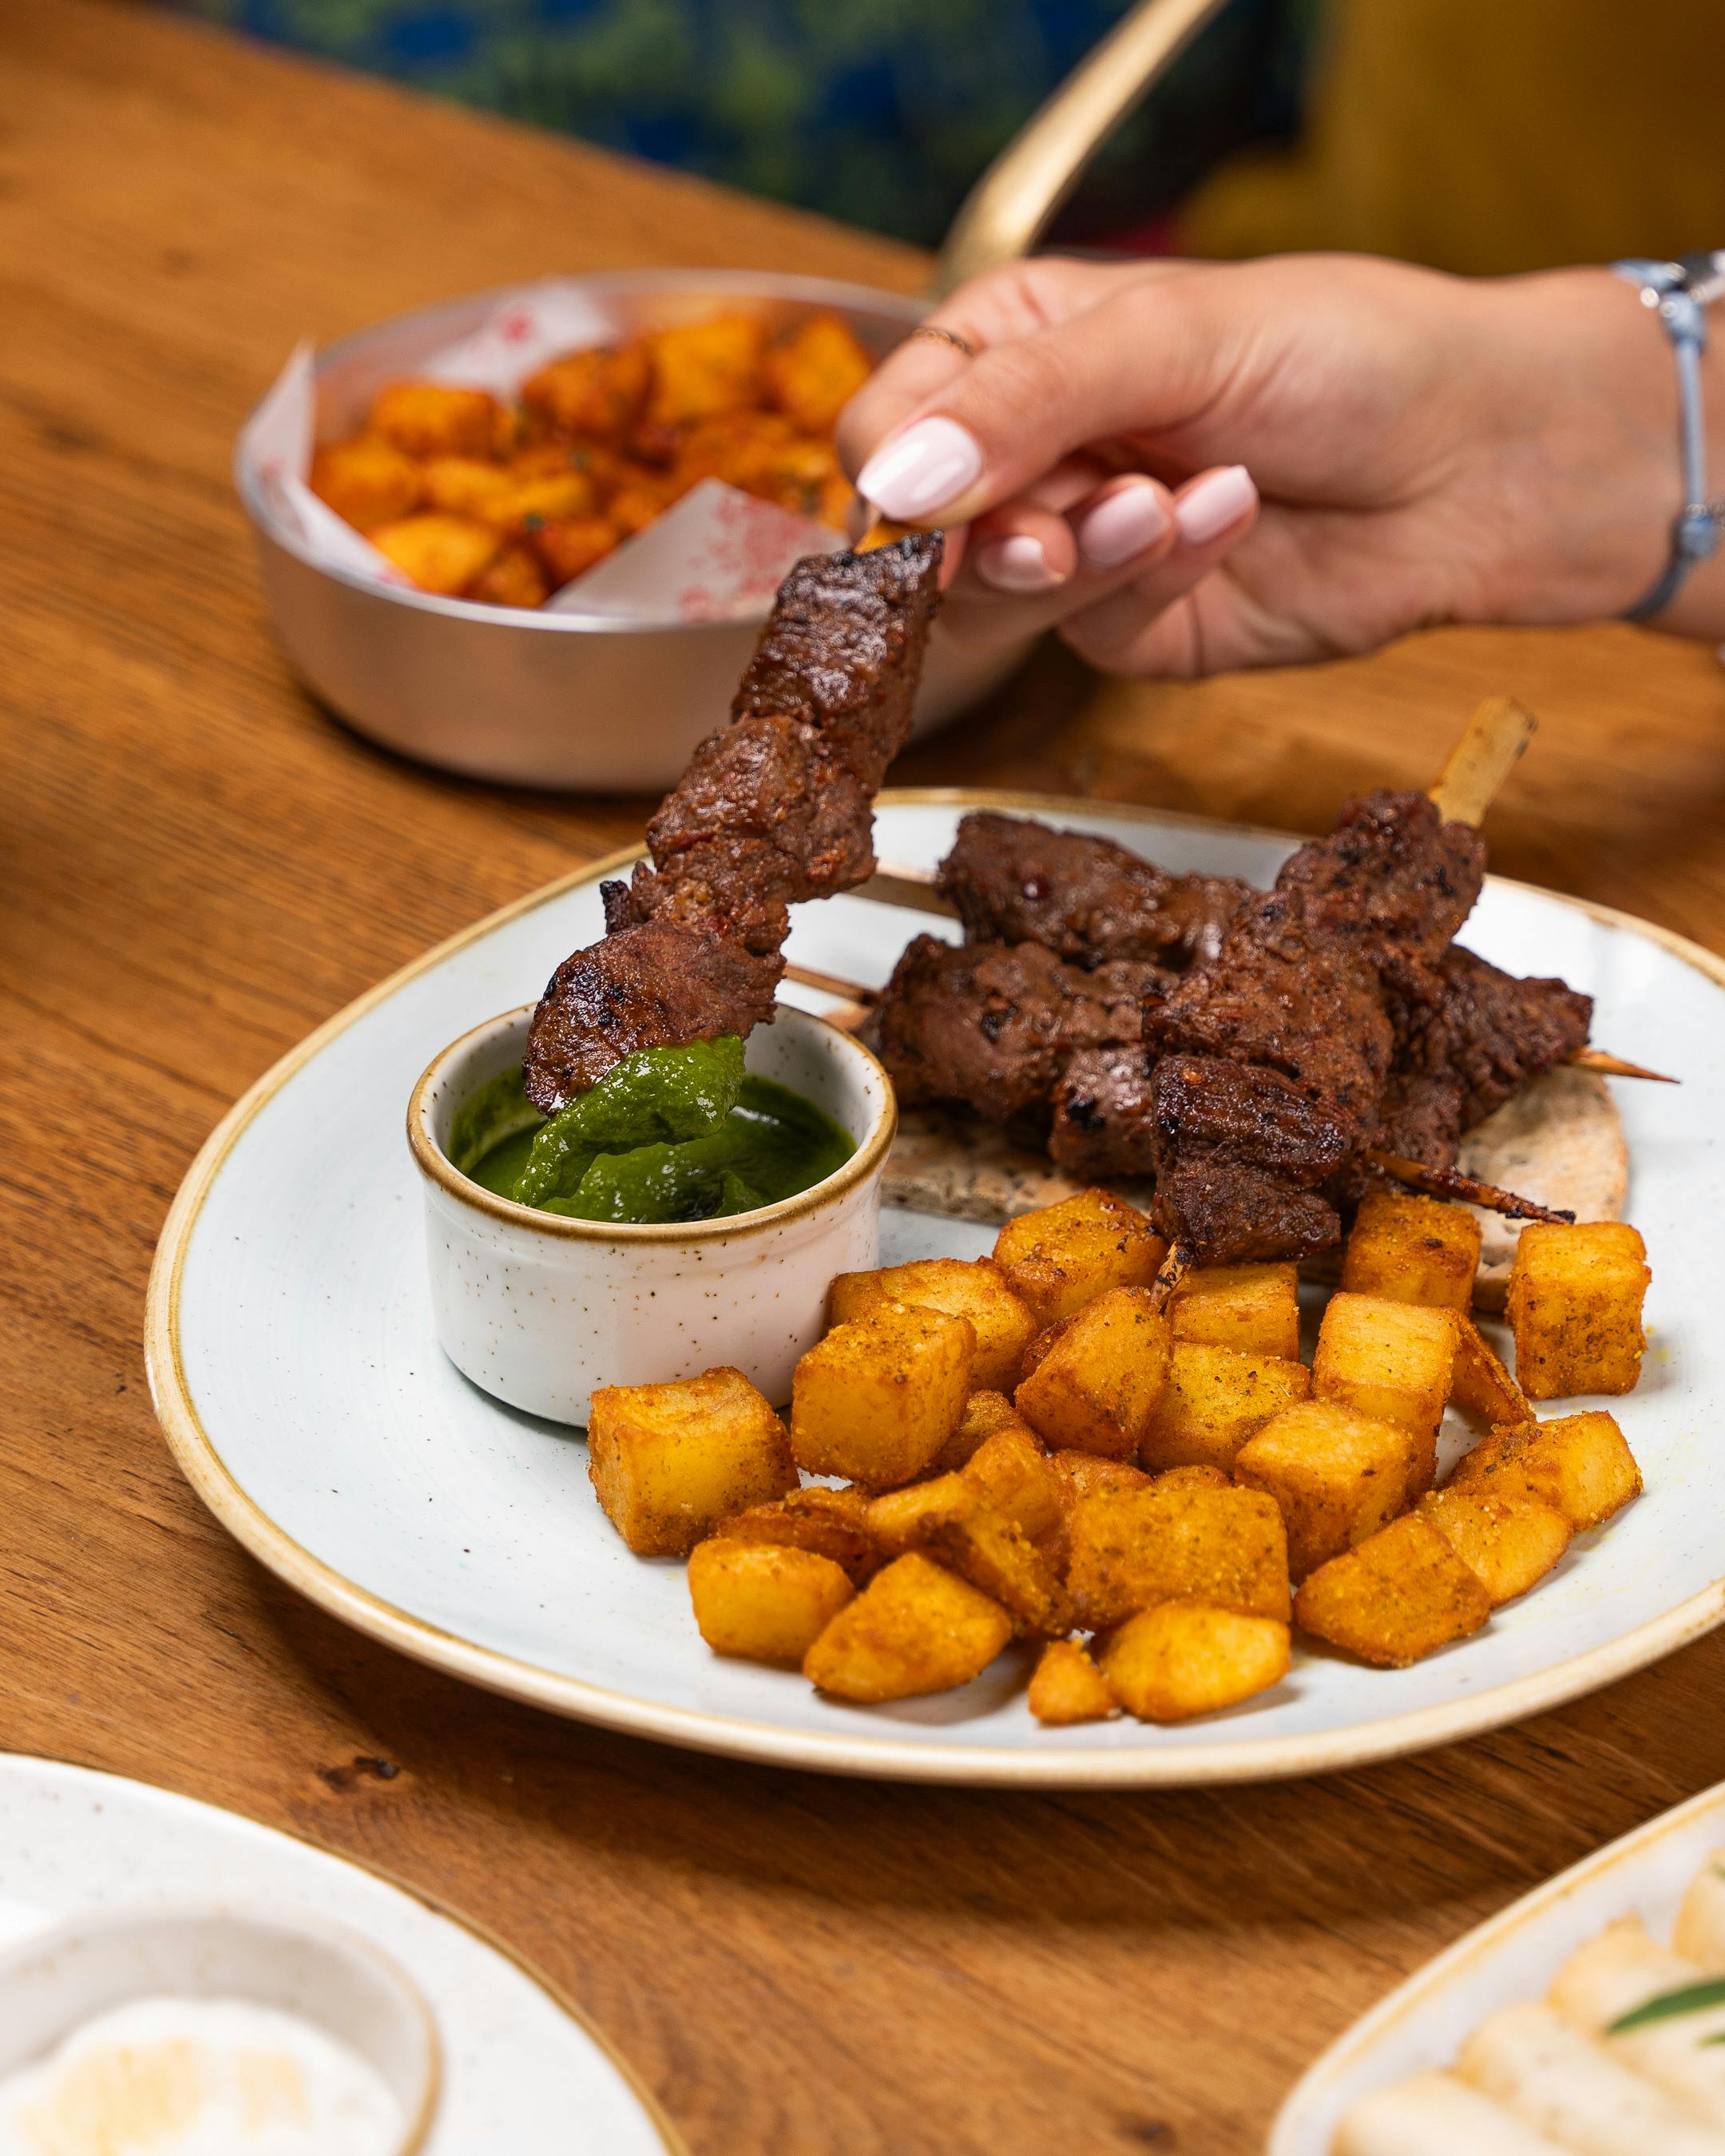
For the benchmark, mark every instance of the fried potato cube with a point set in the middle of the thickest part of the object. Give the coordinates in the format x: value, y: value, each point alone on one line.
x: 1400, y: 1594
x: 1409, y: 1248
x: 1067, y: 1687
x: 1062, y: 1256
x: 1185, y: 1658
x: 552, y: 497
x: 764, y: 1602
x: 877, y: 1399
x: 1338, y: 1476
x: 1215, y: 1397
x: 1078, y: 1474
x: 1391, y: 1361
x: 568, y: 547
x: 368, y: 481
x: 670, y: 1461
x: 949, y: 1517
x: 1013, y: 1474
x: 1506, y: 1543
x: 1193, y: 1478
x: 1480, y: 1384
x: 701, y: 368
x: 833, y: 1523
x: 1134, y: 1548
x: 514, y: 579
x: 1254, y: 1309
x: 1096, y: 1388
x: 432, y: 419
x: 915, y: 1628
x: 1574, y: 1306
x: 600, y: 392
x: 974, y: 1290
x: 442, y: 554
x: 637, y: 501
x: 813, y: 372
x: 469, y: 487
x: 1580, y: 1463
x: 985, y: 1412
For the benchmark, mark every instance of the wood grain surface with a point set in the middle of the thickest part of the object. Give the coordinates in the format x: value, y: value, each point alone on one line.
x: 199, y: 865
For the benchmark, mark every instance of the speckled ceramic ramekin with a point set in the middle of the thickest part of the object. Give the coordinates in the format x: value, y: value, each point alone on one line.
x: 541, y: 1311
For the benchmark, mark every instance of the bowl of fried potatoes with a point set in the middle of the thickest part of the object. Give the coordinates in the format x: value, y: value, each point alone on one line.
x: 485, y: 507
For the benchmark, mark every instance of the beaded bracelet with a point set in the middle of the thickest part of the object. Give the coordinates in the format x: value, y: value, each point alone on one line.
x: 1678, y: 291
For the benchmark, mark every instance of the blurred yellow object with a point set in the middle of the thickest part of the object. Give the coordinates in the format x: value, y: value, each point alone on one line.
x: 1485, y: 138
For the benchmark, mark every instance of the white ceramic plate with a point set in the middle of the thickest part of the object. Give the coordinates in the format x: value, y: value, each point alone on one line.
x: 521, y: 2070
x: 1424, y: 2022
x: 291, y: 1354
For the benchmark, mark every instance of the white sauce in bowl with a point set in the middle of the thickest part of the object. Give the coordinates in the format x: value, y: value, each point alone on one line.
x: 198, y: 2077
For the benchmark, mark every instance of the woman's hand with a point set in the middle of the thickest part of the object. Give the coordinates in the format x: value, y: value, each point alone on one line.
x: 1192, y: 467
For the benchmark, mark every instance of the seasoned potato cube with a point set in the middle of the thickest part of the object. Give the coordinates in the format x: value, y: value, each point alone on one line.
x: 568, y: 547
x: 878, y: 1399
x: 915, y: 1628
x: 1014, y: 1476
x: 670, y: 1461
x: 1580, y: 1463
x: 949, y: 1517
x: 1401, y: 1594
x: 553, y: 497
x: 701, y: 368
x: 1193, y: 1478
x: 431, y: 420
x: 1391, y: 1361
x: 1134, y: 1548
x: 639, y: 499
x: 442, y: 554
x: 1408, y: 1249
x: 1338, y: 1476
x: 1078, y: 1474
x: 1253, y: 1309
x: 1185, y: 1658
x: 1067, y: 1687
x: 1574, y: 1306
x: 978, y: 1291
x: 600, y: 392
x: 514, y: 579
x: 1214, y: 1398
x: 1480, y: 1386
x: 367, y: 480
x: 468, y: 486
x: 985, y: 1413
x: 1095, y: 1389
x: 1506, y: 1543
x: 766, y: 1603
x: 1063, y: 1257
x: 814, y: 372
x: 833, y: 1523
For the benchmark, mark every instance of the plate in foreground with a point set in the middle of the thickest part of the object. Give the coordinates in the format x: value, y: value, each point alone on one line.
x: 296, y: 1374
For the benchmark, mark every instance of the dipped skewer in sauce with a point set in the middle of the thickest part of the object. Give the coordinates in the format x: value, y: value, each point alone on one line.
x: 671, y: 1134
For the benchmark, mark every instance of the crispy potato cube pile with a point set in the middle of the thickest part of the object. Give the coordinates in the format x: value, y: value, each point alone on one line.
x: 1136, y: 1481
x: 473, y: 499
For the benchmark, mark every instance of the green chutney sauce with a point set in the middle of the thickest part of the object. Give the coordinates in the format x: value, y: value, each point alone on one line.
x: 671, y: 1134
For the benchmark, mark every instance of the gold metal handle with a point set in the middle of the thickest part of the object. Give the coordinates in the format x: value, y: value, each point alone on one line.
x: 1009, y: 208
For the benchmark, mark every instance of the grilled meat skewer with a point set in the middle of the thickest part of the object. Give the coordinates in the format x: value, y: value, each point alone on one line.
x: 776, y: 806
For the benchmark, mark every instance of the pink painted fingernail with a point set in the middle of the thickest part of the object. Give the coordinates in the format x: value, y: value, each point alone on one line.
x: 1018, y: 564
x: 1124, y: 524
x: 922, y: 469
x: 1207, y: 508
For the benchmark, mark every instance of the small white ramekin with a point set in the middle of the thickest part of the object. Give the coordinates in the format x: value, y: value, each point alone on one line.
x: 540, y: 1311
x: 55, y: 1982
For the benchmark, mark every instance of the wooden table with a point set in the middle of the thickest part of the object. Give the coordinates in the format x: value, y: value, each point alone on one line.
x: 200, y: 866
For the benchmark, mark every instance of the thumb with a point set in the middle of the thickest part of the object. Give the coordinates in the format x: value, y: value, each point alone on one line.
x: 1147, y: 357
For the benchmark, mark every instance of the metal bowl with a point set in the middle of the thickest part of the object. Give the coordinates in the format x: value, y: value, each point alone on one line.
x: 586, y: 702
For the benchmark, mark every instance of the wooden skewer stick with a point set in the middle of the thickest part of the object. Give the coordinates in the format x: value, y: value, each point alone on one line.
x: 1175, y: 1266
x: 1616, y: 1066
x: 1450, y: 1183
x: 1493, y: 741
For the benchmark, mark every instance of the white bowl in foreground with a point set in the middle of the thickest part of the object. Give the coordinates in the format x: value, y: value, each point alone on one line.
x: 59, y: 1981
x: 540, y: 1311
